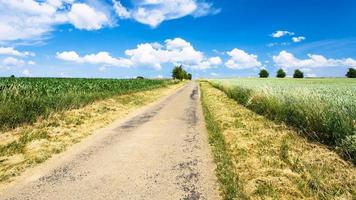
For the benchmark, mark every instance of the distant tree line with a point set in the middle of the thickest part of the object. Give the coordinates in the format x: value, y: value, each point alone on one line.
x: 281, y: 74
x: 180, y: 74
x: 351, y: 73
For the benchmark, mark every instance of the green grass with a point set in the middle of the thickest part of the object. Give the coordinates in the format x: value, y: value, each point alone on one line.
x: 24, y: 100
x: 322, y: 109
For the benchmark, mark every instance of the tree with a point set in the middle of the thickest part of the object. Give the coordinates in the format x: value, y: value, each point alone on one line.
x: 264, y: 73
x: 351, y: 73
x: 189, y: 76
x: 140, y: 77
x: 12, y: 76
x: 179, y: 73
x: 298, y: 74
x: 281, y: 73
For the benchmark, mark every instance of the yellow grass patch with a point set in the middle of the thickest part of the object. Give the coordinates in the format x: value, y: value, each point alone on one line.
x: 272, y: 161
x: 29, y: 145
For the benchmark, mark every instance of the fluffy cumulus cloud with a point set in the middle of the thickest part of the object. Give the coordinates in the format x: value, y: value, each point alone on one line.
x: 154, y: 12
x: 31, y: 19
x: 288, y: 60
x: 239, y: 59
x: 173, y: 51
x: 101, y: 58
x: 85, y: 17
x: 35, y: 19
x: 280, y: 33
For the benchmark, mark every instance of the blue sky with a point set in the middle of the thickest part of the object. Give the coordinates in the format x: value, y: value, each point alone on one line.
x: 122, y: 39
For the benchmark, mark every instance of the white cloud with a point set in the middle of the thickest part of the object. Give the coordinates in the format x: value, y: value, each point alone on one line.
x: 85, y: 17
x: 11, y: 61
x: 286, y: 59
x: 120, y: 10
x: 350, y: 62
x: 101, y: 58
x: 13, y: 52
x: 173, y: 51
x: 146, y: 54
x: 204, y: 8
x: 239, y: 59
x: 177, y: 44
x: 298, y: 39
x: 154, y: 12
x: 28, y: 19
x: 279, y: 34
x: 215, y: 61
x: 68, y: 56
x: 212, y: 62
x: 33, y: 20
x: 214, y: 74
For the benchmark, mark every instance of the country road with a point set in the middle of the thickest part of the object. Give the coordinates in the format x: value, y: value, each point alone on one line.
x: 159, y: 152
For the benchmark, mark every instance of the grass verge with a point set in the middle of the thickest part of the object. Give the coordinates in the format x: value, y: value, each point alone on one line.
x: 269, y: 160
x: 227, y: 178
x: 26, y: 146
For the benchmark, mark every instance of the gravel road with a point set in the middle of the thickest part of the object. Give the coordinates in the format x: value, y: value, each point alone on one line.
x: 159, y: 152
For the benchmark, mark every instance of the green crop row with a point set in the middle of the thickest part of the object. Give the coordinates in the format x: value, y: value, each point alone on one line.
x: 322, y: 109
x: 24, y: 100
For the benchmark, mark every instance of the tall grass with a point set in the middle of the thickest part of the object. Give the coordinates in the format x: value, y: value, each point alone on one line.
x: 23, y: 100
x: 322, y: 109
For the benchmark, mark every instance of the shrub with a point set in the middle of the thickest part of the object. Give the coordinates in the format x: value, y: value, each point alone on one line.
x: 281, y: 73
x: 264, y: 73
x: 298, y: 74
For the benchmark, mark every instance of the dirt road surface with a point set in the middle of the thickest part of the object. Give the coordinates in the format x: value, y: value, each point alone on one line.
x: 160, y: 152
